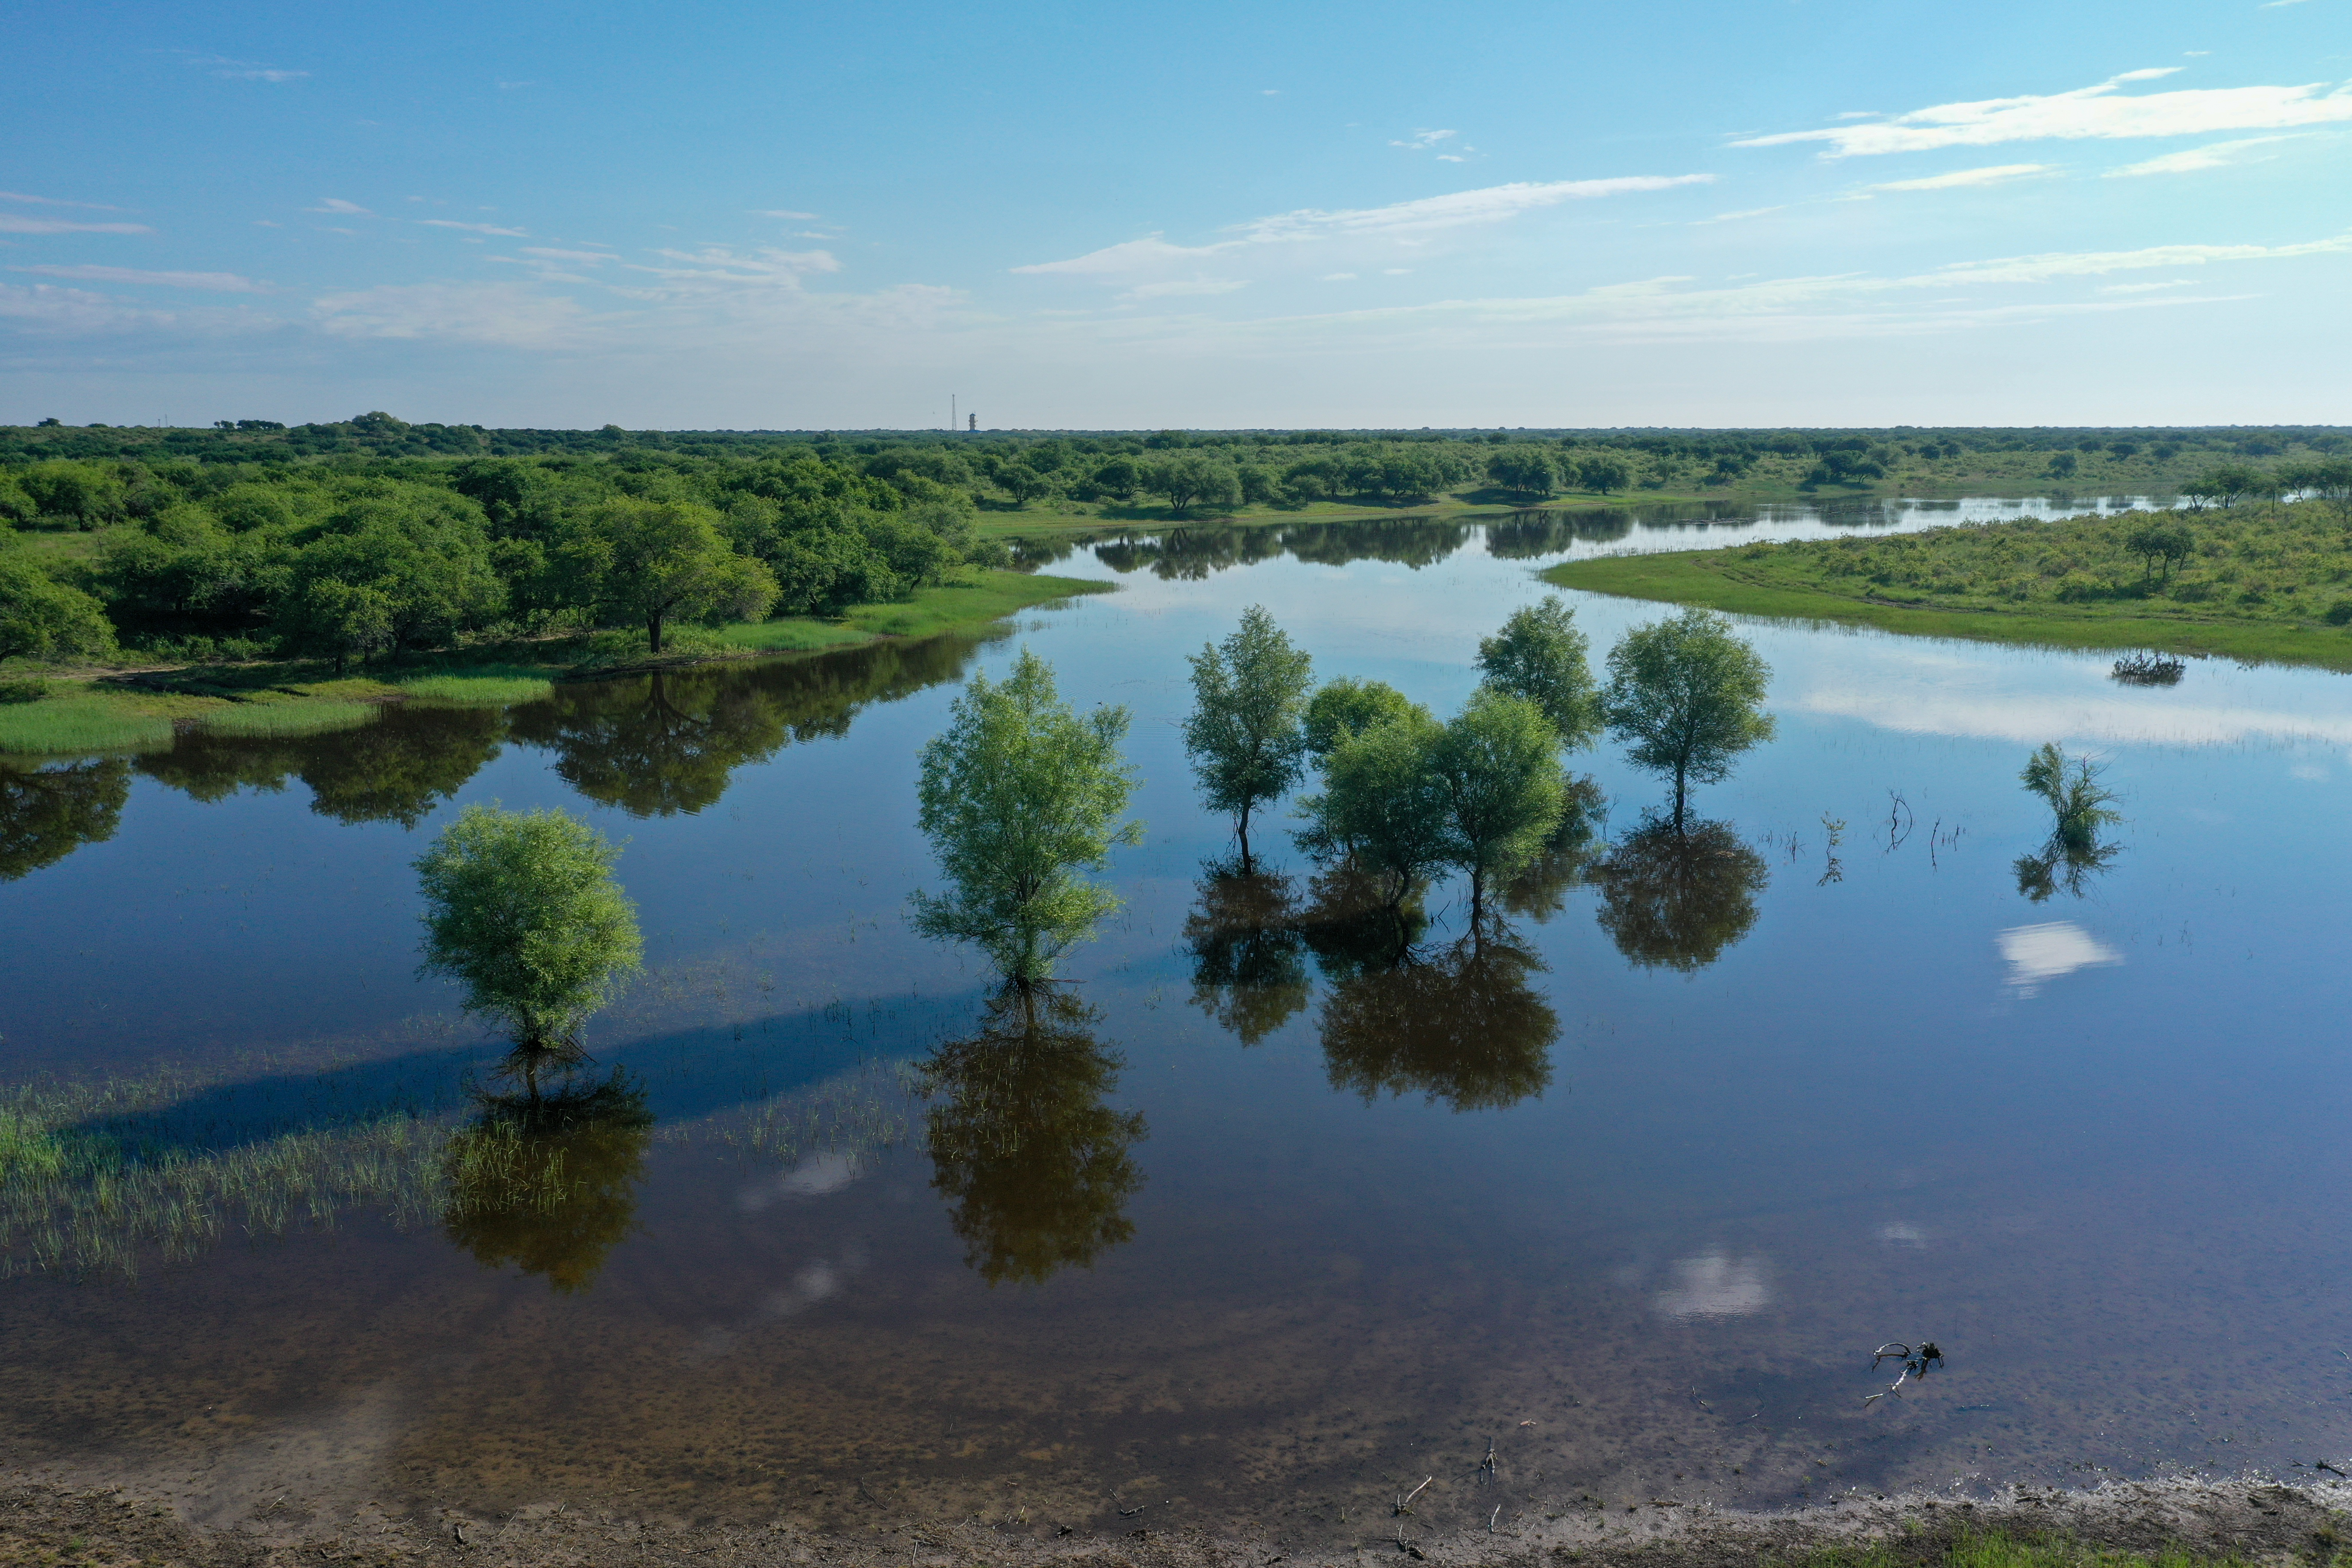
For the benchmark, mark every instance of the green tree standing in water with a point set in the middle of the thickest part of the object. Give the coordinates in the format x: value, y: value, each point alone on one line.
x: 1539, y: 655
x: 1245, y: 736
x: 1019, y: 797
x: 522, y: 909
x: 1495, y: 770
x: 1686, y: 692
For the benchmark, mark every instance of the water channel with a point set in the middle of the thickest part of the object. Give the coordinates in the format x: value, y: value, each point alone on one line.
x: 1259, y: 1227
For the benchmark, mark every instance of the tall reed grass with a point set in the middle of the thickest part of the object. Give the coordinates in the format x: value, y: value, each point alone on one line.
x: 69, y: 724
x: 278, y: 720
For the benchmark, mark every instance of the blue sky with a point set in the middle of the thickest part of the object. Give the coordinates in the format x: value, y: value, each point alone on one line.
x: 1774, y: 213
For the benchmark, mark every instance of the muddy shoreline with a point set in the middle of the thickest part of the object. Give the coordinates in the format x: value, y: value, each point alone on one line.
x: 2252, y: 1516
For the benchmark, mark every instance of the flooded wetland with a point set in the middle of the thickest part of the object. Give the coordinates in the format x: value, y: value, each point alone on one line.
x: 1284, y: 1203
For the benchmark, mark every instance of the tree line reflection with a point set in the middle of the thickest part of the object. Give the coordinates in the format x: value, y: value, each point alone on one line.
x: 656, y: 745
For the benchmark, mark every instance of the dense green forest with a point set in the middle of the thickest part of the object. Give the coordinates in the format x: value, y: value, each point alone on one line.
x: 373, y: 535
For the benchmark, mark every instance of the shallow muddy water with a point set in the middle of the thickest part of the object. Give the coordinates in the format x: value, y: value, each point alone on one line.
x: 1260, y: 1227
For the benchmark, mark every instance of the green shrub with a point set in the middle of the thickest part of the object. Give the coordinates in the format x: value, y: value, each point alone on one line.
x: 2340, y: 613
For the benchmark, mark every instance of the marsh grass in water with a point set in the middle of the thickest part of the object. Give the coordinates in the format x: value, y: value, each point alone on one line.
x: 488, y: 687
x: 107, y: 1177
x: 294, y: 716
x: 59, y: 725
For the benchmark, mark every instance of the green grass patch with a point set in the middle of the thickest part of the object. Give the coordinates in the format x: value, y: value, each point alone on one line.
x: 81, y: 720
x: 1924, y: 1549
x: 485, y: 688
x: 964, y: 604
x: 2261, y: 582
x: 293, y: 716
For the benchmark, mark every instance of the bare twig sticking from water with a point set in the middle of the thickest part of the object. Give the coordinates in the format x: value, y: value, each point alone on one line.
x: 1916, y: 1363
x: 1899, y: 820
x: 1404, y: 1500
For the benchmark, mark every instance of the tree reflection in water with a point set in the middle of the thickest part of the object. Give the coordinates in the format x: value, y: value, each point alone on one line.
x: 2058, y: 867
x: 1038, y: 1169
x: 396, y: 770
x: 47, y: 814
x: 670, y: 741
x: 1249, y: 957
x: 548, y: 1182
x: 1677, y: 897
x: 1459, y: 1025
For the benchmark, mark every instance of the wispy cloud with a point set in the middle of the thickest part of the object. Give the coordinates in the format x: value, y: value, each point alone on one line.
x: 591, y: 257
x: 244, y: 70
x: 336, y: 205
x: 2097, y: 263
x: 2192, y: 160
x: 1493, y: 204
x: 1733, y: 217
x: 1963, y: 179
x: 2144, y: 288
x: 1426, y: 139
x: 783, y: 212
x: 1191, y: 286
x: 2090, y: 111
x: 474, y: 227
x: 504, y: 315
x: 17, y: 223
x: 216, y: 282
x: 54, y: 202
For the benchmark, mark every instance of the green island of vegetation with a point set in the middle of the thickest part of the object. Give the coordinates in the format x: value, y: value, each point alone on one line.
x: 2257, y: 580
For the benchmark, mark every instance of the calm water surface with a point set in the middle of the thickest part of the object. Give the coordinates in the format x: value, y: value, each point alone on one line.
x: 1265, y: 1222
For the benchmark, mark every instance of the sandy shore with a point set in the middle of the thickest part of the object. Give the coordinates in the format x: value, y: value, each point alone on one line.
x: 2251, y: 1516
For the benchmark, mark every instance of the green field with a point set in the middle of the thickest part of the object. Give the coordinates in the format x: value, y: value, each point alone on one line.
x: 2259, y: 581
x: 78, y: 714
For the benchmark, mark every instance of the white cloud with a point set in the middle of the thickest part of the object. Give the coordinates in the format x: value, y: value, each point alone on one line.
x: 475, y: 228
x: 506, y: 315
x: 1732, y: 217
x: 2192, y: 160
x: 1962, y: 179
x: 1338, y: 278
x: 48, y: 310
x: 243, y: 71
x: 1193, y: 286
x: 1429, y: 215
x: 1492, y: 203
x: 2037, y: 954
x: 2095, y: 263
x: 217, y: 282
x: 783, y: 212
x: 587, y: 255
x: 336, y: 205
x: 2144, y: 288
x: 12, y: 222
x: 1425, y: 140
x: 54, y: 202
x: 2089, y: 112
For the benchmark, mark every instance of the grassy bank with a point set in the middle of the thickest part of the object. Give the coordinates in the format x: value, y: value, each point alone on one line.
x: 87, y: 710
x: 2270, y: 583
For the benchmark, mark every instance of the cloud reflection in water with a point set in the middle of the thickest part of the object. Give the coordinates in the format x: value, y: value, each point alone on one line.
x: 1716, y: 1285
